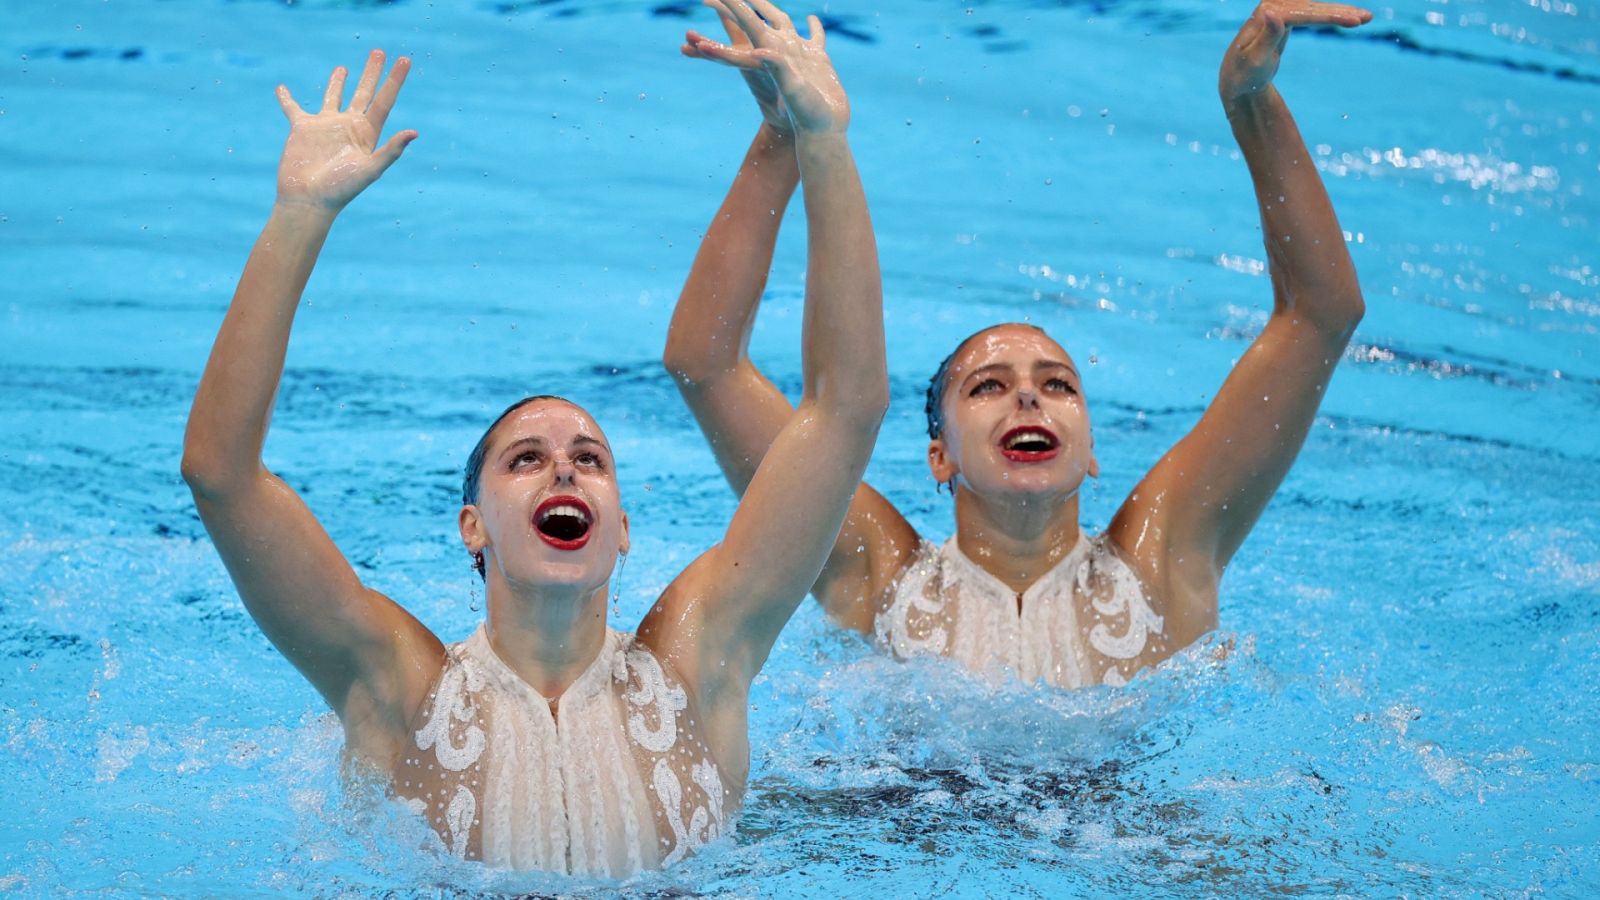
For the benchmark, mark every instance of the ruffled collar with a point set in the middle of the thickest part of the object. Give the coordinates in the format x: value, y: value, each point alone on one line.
x: 977, y: 577
x: 593, y: 679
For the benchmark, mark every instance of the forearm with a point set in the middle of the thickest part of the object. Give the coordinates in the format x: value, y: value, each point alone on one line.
x: 1313, y: 277
x: 842, y: 343
x: 228, y: 421
x: 717, y: 309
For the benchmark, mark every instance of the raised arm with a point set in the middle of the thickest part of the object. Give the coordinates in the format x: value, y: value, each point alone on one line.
x: 719, y: 619
x: 1185, y: 520
x: 369, y: 659
x: 739, y: 410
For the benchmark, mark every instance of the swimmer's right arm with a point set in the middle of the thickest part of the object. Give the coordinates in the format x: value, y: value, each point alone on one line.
x: 739, y: 410
x: 369, y: 659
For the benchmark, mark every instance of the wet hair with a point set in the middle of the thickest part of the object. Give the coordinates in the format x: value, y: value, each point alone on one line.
x: 474, y: 473
x: 934, y: 407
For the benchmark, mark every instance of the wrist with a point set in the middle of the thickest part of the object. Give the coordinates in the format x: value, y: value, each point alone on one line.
x: 303, y: 213
x: 1245, y: 105
x: 774, y: 137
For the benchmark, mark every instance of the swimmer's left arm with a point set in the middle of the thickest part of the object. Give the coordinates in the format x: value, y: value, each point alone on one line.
x: 1186, y: 519
x: 720, y: 618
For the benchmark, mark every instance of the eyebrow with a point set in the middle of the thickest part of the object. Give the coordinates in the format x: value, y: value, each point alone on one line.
x: 1056, y: 364
x: 1007, y: 367
x: 582, y: 440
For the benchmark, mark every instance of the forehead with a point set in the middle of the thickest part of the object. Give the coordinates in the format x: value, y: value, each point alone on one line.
x: 555, y: 421
x: 1015, y: 345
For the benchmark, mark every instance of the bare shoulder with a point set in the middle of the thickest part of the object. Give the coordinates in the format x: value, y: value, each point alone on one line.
x: 387, y: 697
x: 1147, y: 600
x: 874, y: 549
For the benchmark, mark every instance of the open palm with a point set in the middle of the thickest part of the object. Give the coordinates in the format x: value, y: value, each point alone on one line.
x: 332, y: 155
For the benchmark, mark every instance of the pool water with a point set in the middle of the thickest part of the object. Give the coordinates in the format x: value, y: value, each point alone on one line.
x: 1400, y: 700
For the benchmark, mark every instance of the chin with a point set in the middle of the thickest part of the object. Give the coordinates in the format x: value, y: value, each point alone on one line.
x: 559, y: 573
x: 1034, y: 483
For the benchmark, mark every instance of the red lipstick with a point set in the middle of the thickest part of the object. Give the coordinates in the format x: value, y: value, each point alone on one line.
x: 1029, y: 444
x: 563, y: 522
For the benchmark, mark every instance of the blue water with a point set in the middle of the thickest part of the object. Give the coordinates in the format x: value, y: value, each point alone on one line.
x: 1408, y: 705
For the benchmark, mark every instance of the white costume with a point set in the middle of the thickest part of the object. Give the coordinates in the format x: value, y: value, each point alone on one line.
x: 1086, y: 621
x: 618, y: 780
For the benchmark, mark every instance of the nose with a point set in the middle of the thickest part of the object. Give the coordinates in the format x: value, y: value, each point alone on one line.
x: 1027, y: 397
x: 565, y: 471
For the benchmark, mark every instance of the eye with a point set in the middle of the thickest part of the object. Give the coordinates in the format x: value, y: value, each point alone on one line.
x: 525, y: 458
x: 592, y: 460
x: 986, y: 386
x: 1060, y: 385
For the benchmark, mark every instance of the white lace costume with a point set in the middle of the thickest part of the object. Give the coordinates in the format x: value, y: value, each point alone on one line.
x: 1086, y: 621
x: 618, y: 780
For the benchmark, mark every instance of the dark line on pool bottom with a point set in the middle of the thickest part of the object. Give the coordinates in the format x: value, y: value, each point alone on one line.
x: 1408, y: 44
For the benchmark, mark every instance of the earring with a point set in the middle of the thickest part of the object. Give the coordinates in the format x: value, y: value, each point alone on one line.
x: 475, y: 591
x: 616, y: 584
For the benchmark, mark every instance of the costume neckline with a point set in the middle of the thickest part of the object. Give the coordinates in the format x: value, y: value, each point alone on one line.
x: 588, y: 682
x: 952, y: 552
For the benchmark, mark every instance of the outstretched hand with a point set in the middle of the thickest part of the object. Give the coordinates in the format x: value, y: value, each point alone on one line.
x: 762, y: 87
x: 332, y: 155
x: 765, y: 45
x: 1252, y: 60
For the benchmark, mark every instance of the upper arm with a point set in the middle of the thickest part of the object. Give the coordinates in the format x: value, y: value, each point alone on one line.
x: 733, y: 602
x: 741, y: 412
x: 367, y: 656
x: 1187, y: 517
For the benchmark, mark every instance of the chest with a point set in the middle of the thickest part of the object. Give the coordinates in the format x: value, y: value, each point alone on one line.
x: 1087, y: 621
x: 613, y: 779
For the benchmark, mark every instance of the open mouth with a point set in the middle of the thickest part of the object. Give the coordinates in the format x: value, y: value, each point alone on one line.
x: 563, y: 522
x: 1029, y: 443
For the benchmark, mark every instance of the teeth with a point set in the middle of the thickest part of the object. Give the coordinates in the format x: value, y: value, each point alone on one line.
x: 565, y: 509
x: 1024, y: 436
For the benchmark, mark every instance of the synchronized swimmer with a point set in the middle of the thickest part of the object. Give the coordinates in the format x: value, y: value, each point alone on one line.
x: 1019, y: 588
x: 545, y: 740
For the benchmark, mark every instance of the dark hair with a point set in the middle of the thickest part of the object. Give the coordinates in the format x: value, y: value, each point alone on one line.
x: 474, y: 473
x: 934, y: 407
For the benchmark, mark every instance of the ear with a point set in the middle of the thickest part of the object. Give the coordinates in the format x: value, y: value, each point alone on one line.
x: 473, y: 535
x: 623, y: 547
x: 939, y: 461
x: 1094, y: 465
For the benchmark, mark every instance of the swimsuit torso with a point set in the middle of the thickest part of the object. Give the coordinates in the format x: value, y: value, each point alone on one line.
x: 1086, y: 621
x: 617, y: 779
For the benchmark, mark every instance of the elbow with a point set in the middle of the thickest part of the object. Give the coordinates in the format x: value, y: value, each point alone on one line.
x: 202, y: 475
x: 685, y: 368
x: 1342, y: 324
x: 691, y: 364
x: 207, y: 474
x: 861, y: 402
x: 1336, y: 317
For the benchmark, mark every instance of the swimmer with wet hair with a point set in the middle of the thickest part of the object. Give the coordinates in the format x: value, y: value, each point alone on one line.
x: 1020, y: 590
x: 547, y: 740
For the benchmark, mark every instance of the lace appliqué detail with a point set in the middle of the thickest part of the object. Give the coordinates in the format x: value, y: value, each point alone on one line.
x: 653, y: 691
x: 705, y: 822
x: 450, y: 704
x: 1120, y: 596
x: 622, y: 780
x: 919, y: 604
x: 459, y: 818
x: 656, y: 697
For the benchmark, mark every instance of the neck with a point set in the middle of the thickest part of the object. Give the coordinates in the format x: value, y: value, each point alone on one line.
x: 1016, y: 539
x: 548, y: 636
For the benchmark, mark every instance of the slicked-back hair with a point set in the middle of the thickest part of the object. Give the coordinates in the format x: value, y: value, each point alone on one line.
x: 934, y: 407
x: 474, y: 473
